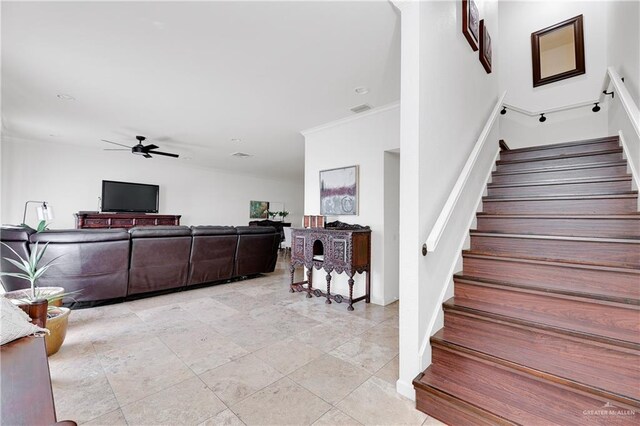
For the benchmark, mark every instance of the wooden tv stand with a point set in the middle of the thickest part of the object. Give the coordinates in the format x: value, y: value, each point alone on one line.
x: 123, y: 220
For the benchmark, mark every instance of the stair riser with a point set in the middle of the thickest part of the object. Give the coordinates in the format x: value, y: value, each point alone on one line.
x: 559, y: 162
x: 586, y: 206
x: 603, y: 253
x: 608, y: 321
x: 578, y: 149
x: 612, y: 171
x: 618, y: 284
x: 538, y: 402
x: 438, y: 408
x: 617, y: 372
x: 606, y: 228
x: 593, y: 188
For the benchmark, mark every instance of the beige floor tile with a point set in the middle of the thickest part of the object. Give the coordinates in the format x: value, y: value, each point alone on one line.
x: 287, y: 322
x: 186, y: 403
x: 240, y: 301
x: 80, y: 387
x: 281, y: 403
x: 199, y: 347
x: 288, y: 355
x: 376, y: 402
x: 236, y: 380
x: 366, y: 354
x: 324, y: 337
x: 330, y: 378
x: 108, y: 334
x: 253, y: 339
x: 430, y: 421
x: 383, y: 335
x: 336, y: 417
x: 207, y: 308
x: 225, y: 418
x: 141, y: 369
x: 390, y: 372
x: 114, y: 418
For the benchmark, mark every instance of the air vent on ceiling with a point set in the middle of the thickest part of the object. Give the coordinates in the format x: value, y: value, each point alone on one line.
x: 361, y: 108
x: 241, y: 155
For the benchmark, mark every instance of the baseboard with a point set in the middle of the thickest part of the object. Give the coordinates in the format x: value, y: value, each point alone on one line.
x: 406, y: 389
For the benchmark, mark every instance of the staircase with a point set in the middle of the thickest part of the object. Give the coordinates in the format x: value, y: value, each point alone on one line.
x: 544, y: 327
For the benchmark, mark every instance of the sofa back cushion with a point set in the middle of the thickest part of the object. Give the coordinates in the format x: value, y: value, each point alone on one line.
x: 213, y: 251
x: 16, y: 237
x: 257, y: 250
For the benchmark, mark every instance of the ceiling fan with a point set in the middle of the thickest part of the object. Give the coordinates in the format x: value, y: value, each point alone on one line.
x: 139, y: 149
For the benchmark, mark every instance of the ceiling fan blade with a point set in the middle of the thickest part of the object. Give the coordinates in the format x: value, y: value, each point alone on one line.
x: 117, y: 149
x: 115, y: 143
x: 147, y: 156
x: 166, y: 154
x: 152, y: 146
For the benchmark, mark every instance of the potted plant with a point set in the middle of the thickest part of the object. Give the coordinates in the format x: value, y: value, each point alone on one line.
x: 272, y: 214
x: 283, y: 214
x: 42, y: 304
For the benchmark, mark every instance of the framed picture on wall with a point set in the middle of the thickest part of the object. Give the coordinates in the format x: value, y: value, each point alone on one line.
x: 470, y: 23
x: 339, y: 191
x: 258, y: 209
x: 485, y: 47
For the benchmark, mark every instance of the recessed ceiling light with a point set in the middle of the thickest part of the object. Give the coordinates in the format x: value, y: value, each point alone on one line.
x: 236, y: 140
x: 362, y: 90
x: 361, y: 108
x: 65, y: 97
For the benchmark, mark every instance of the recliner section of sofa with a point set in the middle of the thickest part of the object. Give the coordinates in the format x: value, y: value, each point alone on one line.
x: 213, y: 253
x: 95, y: 263
x: 159, y: 258
x: 257, y: 250
x: 17, y: 238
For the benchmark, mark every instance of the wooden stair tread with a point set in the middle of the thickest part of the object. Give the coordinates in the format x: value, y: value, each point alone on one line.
x: 560, y: 168
x: 565, y: 144
x: 627, y: 216
x: 626, y: 194
x: 541, y: 320
x: 556, y: 237
x: 505, y: 394
x: 562, y: 182
x: 560, y: 156
x: 550, y: 289
x: 567, y: 362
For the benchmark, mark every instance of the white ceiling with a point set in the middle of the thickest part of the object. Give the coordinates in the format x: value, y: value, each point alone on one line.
x: 192, y: 76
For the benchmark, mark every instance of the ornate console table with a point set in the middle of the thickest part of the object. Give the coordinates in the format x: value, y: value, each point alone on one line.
x: 337, y: 249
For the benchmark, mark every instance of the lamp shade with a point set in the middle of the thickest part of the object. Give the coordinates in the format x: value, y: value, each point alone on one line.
x: 45, y: 212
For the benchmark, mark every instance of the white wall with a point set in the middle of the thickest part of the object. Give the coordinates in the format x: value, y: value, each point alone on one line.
x: 392, y: 224
x: 70, y: 178
x: 359, y: 140
x: 623, y: 43
x: 518, y: 20
x: 455, y: 98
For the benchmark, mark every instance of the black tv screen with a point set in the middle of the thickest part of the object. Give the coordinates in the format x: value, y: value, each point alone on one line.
x: 129, y: 197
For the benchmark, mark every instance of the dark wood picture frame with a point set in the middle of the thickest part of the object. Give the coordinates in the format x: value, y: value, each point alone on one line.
x: 577, y: 23
x: 470, y: 17
x: 485, y: 53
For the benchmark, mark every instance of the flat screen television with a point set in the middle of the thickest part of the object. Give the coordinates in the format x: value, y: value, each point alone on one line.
x: 129, y: 197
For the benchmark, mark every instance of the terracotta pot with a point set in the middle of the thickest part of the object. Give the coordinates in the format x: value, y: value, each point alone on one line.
x: 37, y: 311
x: 57, y: 325
x: 43, y: 292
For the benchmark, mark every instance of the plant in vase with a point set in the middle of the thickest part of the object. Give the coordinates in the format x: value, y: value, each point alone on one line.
x: 272, y: 215
x: 42, y: 304
x: 283, y: 214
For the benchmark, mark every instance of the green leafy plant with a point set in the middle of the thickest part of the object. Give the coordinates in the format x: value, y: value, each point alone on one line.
x: 42, y: 226
x: 29, y: 267
x: 272, y: 214
x: 283, y: 214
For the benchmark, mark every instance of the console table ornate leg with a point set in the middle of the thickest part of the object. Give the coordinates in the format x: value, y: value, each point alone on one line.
x: 368, y: 298
x: 309, y: 282
x: 350, y: 307
x: 292, y: 270
x: 328, y: 301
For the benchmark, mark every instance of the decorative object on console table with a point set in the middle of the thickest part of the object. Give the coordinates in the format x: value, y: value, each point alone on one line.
x: 313, y: 221
x: 470, y: 23
x: 339, y: 191
x: 485, y: 47
x: 123, y: 220
x: 44, y: 211
x: 345, y: 248
x: 258, y: 209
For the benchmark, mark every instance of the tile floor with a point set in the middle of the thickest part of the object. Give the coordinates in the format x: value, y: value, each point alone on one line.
x: 247, y: 352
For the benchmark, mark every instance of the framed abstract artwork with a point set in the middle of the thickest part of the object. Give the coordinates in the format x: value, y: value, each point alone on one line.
x: 485, y: 47
x: 471, y: 23
x: 339, y: 191
x: 258, y: 209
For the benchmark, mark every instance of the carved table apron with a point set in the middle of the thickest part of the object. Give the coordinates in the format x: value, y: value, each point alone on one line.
x: 338, y: 250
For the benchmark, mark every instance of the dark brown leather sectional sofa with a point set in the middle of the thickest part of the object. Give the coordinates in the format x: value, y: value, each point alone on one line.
x: 114, y: 264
